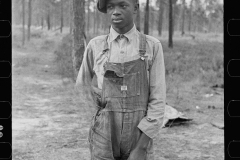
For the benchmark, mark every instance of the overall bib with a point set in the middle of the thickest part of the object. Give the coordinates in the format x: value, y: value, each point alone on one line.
x: 125, y: 91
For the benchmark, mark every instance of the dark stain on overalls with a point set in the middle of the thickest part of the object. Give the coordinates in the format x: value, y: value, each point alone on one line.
x: 114, y: 132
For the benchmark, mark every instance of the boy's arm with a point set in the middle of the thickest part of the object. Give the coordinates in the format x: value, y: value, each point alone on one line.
x: 150, y: 125
x: 85, y: 74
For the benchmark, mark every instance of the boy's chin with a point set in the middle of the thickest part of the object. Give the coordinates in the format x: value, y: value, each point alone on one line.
x: 117, y: 25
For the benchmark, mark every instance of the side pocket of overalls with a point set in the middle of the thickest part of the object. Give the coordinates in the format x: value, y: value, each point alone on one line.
x: 100, y: 139
x: 92, y: 124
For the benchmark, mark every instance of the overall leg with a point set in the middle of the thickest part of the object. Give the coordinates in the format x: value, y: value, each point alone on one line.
x: 100, y: 138
x: 131, y: 135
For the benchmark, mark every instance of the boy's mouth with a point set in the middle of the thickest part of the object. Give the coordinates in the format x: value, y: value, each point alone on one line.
x: 117, y: 20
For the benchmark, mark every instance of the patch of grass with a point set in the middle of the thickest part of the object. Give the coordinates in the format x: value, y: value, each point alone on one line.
x: 47, y: 44
x: 199, y: 60
x: 24, y: 61
x: 37, y: 34
x: 63, y: 58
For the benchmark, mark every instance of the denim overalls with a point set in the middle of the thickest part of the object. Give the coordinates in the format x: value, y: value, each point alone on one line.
x: 124, y: 100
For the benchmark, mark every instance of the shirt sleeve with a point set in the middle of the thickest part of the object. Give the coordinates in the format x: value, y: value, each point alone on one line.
x: 152, y: 122
x: 85, y: 74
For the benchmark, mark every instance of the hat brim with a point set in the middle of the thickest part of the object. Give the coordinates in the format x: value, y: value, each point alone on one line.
x: 101, y: 6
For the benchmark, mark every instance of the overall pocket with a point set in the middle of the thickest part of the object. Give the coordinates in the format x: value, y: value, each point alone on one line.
x: 132, y: 82
x: 120, y: 87
x: 92, y: 125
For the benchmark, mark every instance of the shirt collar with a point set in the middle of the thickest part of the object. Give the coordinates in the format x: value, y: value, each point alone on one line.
x: 130, y: 34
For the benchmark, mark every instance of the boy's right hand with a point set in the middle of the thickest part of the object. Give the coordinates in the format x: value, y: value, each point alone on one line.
x: 96, y: 94
x: 137, y: 154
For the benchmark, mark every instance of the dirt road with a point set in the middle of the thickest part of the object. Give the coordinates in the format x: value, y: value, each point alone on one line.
x: 50, y: 122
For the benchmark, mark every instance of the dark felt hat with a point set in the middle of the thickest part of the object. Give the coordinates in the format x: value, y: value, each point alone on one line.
x: 101, y: 6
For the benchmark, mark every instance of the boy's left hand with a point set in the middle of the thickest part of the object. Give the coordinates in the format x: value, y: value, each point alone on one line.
x: 140, y: 151
x: 138, y: 154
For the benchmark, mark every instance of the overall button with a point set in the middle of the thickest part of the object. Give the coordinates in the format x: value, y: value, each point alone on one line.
x: 151, y: 120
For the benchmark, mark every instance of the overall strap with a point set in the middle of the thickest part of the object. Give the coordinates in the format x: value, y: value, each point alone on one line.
x: 142, y: 44
x: 142, y: 52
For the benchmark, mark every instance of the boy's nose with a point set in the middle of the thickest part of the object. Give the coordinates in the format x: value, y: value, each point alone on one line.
x: 116, y: 12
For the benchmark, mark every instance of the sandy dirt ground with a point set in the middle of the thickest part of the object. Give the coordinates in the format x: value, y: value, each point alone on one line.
x: 49, y: 121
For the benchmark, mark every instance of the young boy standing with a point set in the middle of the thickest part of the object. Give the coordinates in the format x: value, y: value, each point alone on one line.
x: 130, y: 92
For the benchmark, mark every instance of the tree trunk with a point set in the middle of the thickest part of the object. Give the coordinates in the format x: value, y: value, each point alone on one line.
x: 37, y: 21
x: 170, y: 41
x: 88, y: 18
x: 94, y: 20
x: 138, y: 18
x: 97, y: 21
x: 152, y: 21
x: 190, y: 17
x: 61, y: 27
x: 173, y: 17
x: 196, y: 28
x: 42, y: 22
x: 23, y: 22
x: 160, y: 21
x: 70, y: 16
x: 78, y: 34
x: 48, y: 20
x: 55, y: 21
x: 29, y: 18
x: 146, y: 20
x: 183, y: 17
x: 166, y: 16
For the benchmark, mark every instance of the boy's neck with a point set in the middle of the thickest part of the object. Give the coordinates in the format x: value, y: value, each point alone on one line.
x: 124, y: 29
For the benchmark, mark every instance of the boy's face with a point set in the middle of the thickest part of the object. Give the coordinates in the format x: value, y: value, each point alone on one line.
x: 121, y: 13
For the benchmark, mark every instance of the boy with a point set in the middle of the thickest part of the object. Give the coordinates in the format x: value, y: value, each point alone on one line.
x: 130, y: 91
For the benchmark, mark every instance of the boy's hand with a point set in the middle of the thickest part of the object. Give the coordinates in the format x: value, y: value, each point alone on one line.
x: 96, y: 95
x: 138, y: 154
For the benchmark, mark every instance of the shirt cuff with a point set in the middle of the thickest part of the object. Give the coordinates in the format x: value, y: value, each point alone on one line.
x: 150, y: 126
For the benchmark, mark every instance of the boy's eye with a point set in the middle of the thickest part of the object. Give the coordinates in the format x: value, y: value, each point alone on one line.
x: 123, y: 6
x: 109, y: 7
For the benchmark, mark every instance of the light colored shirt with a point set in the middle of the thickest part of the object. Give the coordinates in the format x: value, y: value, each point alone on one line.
x: 122, y: 49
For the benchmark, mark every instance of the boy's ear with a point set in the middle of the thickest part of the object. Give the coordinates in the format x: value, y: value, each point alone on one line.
x: 136, y: 8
